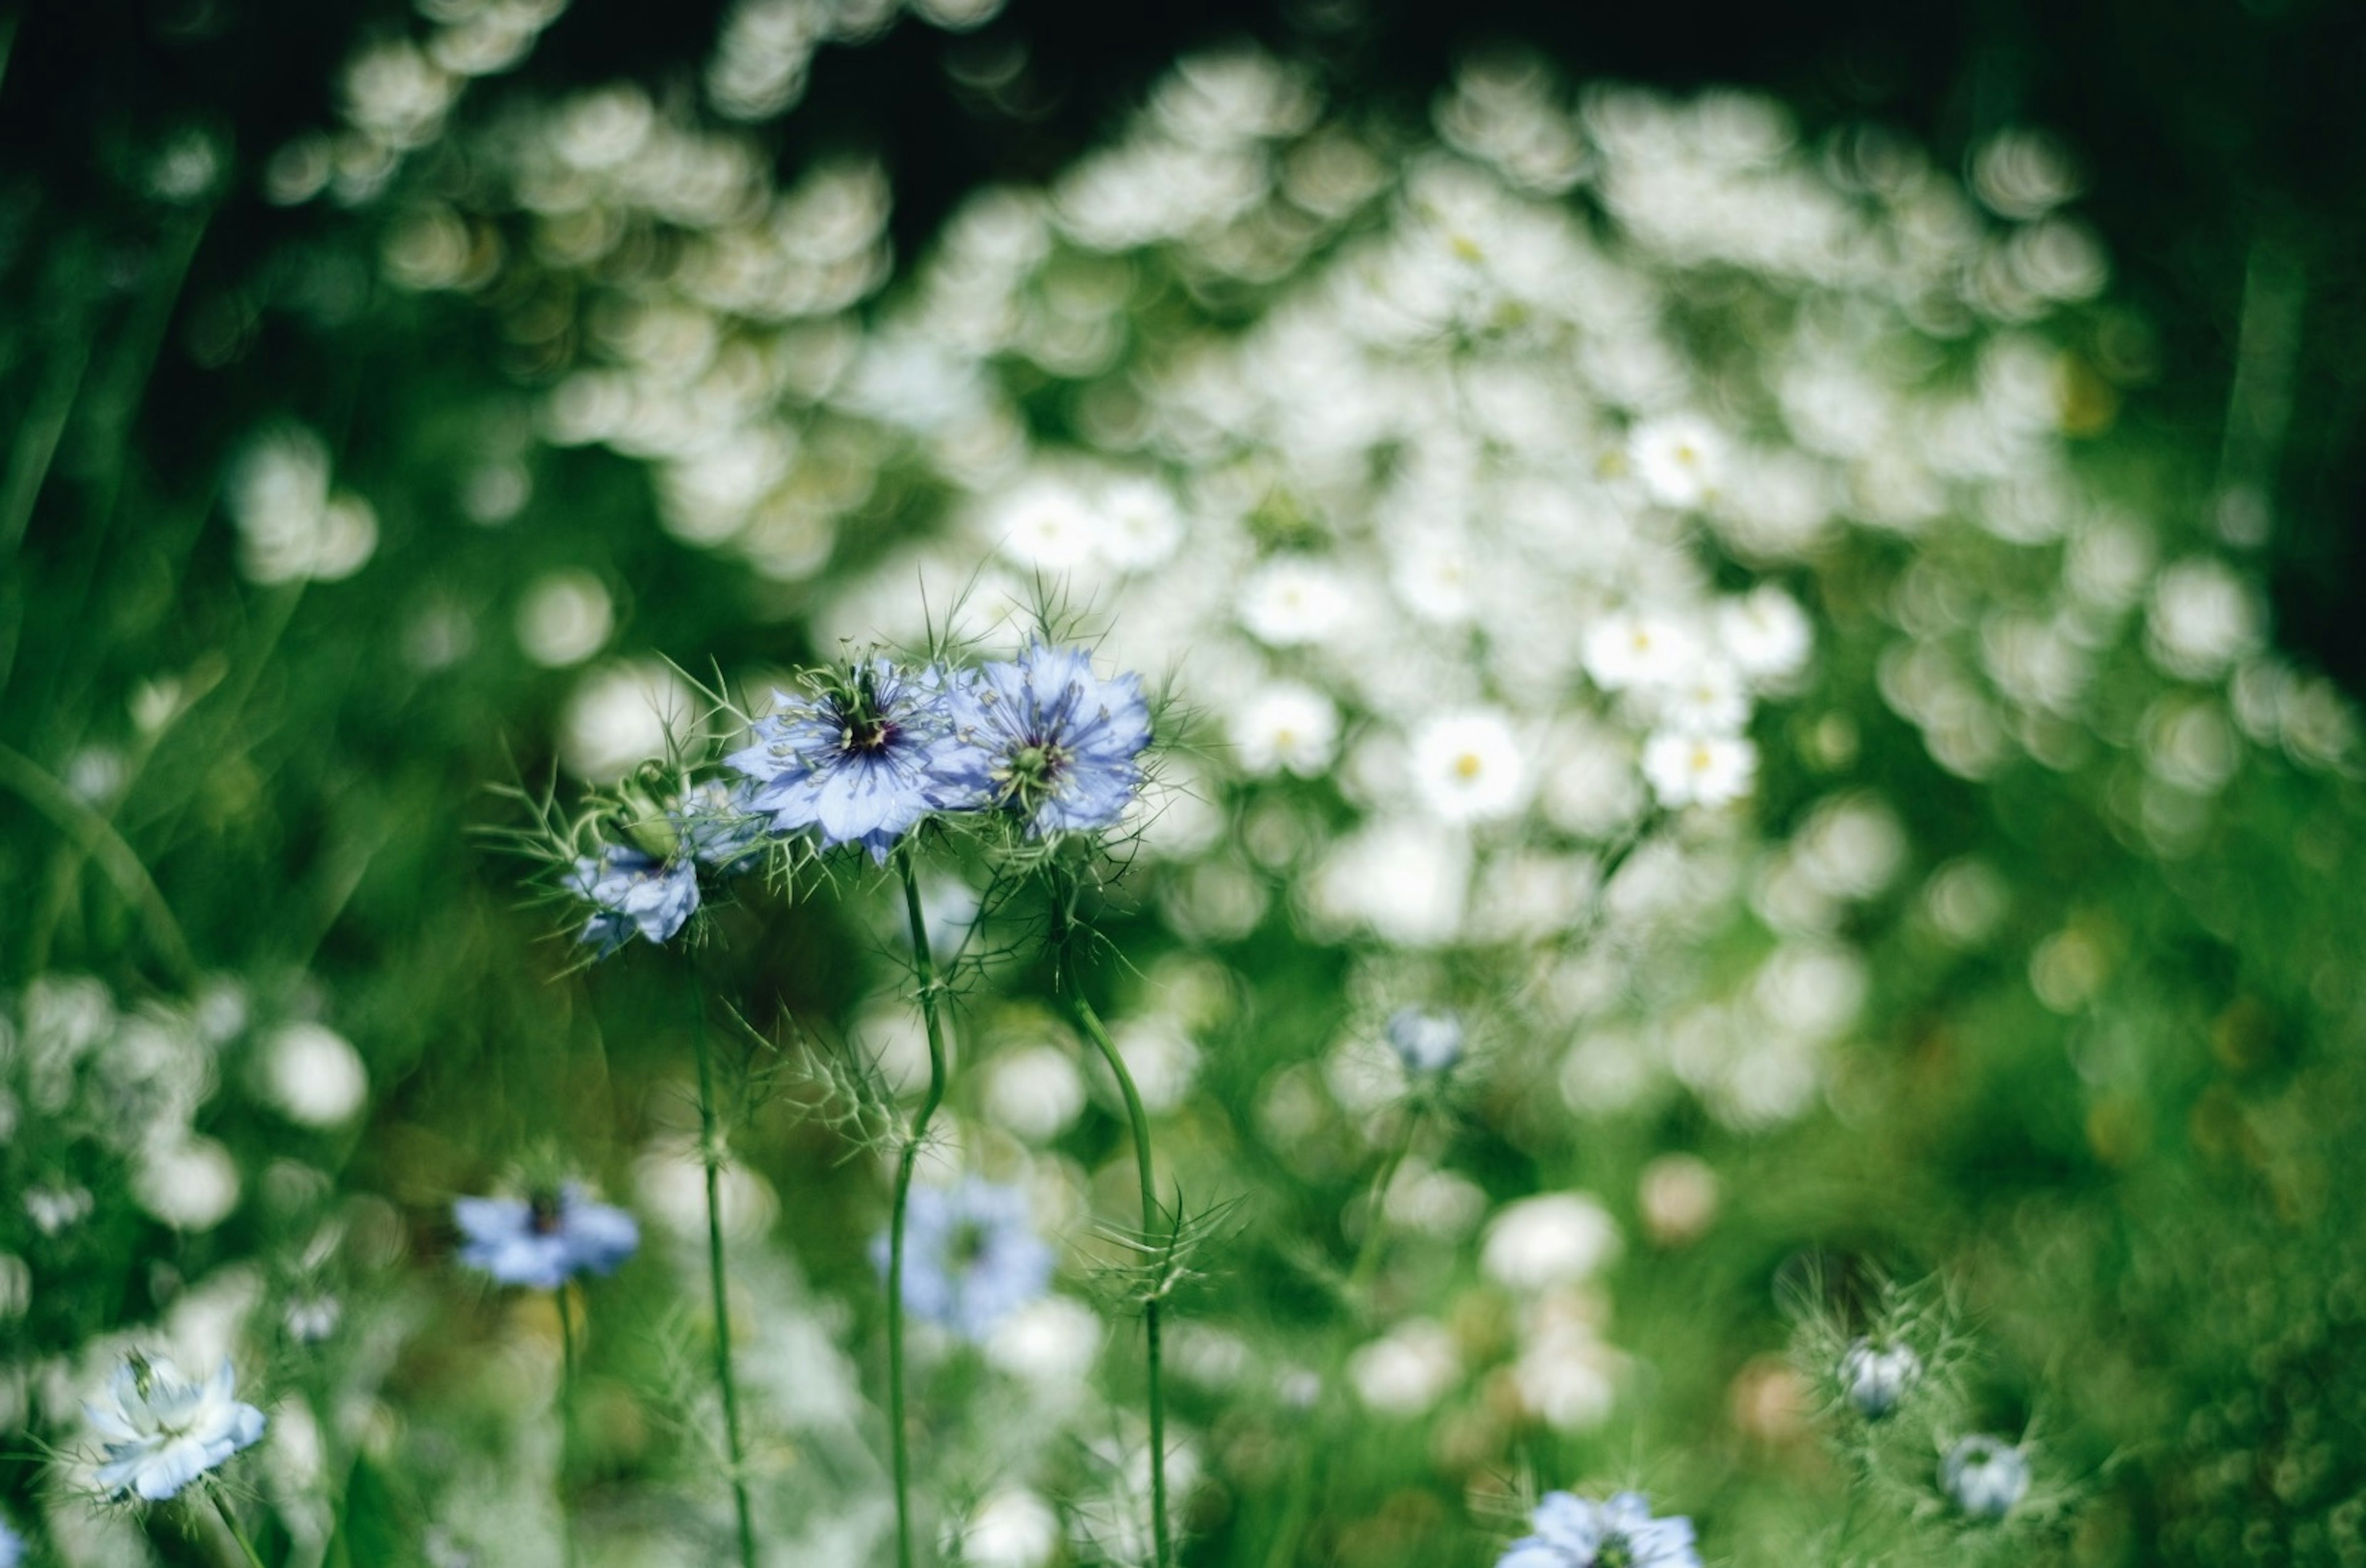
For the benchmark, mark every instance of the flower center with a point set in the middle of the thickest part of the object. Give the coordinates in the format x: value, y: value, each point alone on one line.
x: 542, y: 1213
x: 1614, y: 1552
x: 966, y: 1245
x: 864, y: 733
x: 1468, y: 765
x: 1032, y: 770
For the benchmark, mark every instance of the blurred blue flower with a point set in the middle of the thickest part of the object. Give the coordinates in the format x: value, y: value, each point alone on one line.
x: 630, y: 891
x: 162, y: 1430
x: 1876, y: 1377
x: 1426, y: 1040
x: 1985, y: 1476
x: 861, y: 761
x: 12, y: 1547
x: 1574, y: 1532
x: 717, y: 822
x: 970, y: 1256
x: 543, y: 1240
x: 1044, y: 737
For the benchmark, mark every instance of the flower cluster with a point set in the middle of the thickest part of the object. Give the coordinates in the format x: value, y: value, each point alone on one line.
x: 867, y: 753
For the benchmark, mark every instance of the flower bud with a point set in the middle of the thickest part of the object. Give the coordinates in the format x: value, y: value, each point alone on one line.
x: 1984, y: 1476
x: 1876, y: 1377
x: 1425, y: 1040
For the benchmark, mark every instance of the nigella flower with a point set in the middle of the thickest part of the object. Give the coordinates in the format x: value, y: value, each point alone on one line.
x: 1044, y: 737
x: 543, y: 1240
x: 970, y: 1256
x: 1876, y: 1377
x: 1574, y: 1532
x: 632, y: 891
x: 1425, y: 1039
x: 862, y: 760
x: 162, y: 1431
x: 1985, y: 1476
x: 717, y: 824
x: 12, y: 1547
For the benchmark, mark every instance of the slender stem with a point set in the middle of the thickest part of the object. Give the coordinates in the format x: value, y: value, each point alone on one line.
x: 565, y: 1419
x: 1150, y: 1221
x: 1298, y: 1500
x: 230, y: 1522
x: 711, y: 1151
x: 924, y: 971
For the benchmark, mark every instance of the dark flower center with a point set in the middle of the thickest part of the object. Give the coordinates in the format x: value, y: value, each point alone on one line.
x: 864, y: 727
x: 967, y: 1246
x: 542, y: 1213
x: 1614, y: 1552
x: 864, y: 733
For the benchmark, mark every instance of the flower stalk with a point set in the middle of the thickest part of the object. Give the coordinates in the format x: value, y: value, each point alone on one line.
x: 711, y: 1152
x: 1139, y: 1122
x: 924, y: 971
x: 236, y: 1534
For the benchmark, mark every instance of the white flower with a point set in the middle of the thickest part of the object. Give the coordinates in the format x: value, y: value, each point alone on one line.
x: 1765, y: 633
x: 1035, y: 1091
x: 1709, y: 701
x: 1408, y: 880
x: 1140, y: 525
x: 1286, y: 726
x: 1407, y: 1369
x: 2203, y: 619
x: 565, y: 619
x: 1046, y: 526
x: 622, y: 713
x: 1013, y: 1528
x: 1432, y: 578
x: 1565, y: 1374
x: 162, y: 1431
x: 190, y: 1183
x: 1553, y: 1238
x: 1053, y: 1341
x: 1292, y: 600
x: 1678, y: 458
x: 1638, y: 650
x: 1699, y: 770
x: 314, y: 1075
x: 1468, y: 766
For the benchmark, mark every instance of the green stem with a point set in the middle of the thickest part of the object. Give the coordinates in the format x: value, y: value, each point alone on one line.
x: 565, y: 1419
x: 1299, y: 1499
x: 711, y: 1152
x: 230, y: 1522
x: 924, y: 970
x: 1150, y: 1220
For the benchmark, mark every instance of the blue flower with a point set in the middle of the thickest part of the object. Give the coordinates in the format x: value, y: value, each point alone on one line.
x: 12, y: 1547
x: 860, y: 760
x: 1574, y: 1532
x: 971, y: 1257
x: 162, y: 1430
x: 631, y: 891
x: 1425, y: 1040
x: 718, y: 824
x: 543, y: 1241
x: 1044, y: 737
x: 1985, y: 1476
